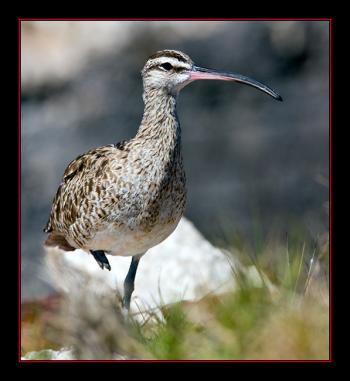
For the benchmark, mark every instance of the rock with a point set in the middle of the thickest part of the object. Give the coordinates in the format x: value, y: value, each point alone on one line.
x: 49, y: 354
x: 61, y: 354
x: 183, y: 267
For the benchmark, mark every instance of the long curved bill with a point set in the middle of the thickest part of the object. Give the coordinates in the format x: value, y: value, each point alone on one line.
x: 198, y: 73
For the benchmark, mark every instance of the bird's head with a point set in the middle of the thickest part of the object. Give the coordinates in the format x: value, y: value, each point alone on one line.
x: 168, y: 69
x: 172, y: 70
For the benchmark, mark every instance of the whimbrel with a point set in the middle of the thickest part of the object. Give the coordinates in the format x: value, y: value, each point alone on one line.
x: 124, y: 198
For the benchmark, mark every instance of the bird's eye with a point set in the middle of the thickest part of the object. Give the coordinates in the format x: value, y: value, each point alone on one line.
x: 166, y: 66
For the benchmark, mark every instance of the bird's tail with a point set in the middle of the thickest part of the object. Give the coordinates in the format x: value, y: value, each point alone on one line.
x: 55, y: 239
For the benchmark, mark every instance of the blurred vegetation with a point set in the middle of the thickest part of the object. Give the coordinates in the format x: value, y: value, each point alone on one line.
x: 258, y: 163
x: 287, y: 318
x: 248, y: 159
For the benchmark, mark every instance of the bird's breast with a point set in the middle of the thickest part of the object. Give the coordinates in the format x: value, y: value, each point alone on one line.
x: 146, y: 214
x: 162, y: 199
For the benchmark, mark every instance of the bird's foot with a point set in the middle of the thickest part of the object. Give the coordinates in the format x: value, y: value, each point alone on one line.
x: 101, y: 259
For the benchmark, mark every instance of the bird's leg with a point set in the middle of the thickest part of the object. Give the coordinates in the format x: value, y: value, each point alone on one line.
x: 101, y: 259
x: 129, y: 281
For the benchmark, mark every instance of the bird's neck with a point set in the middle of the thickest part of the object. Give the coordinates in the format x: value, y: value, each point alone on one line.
x: 160, y: 124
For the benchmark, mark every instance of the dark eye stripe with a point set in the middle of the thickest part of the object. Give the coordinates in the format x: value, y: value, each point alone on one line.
x: 157, y: 67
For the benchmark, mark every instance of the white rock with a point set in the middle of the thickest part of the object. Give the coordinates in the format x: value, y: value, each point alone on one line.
x: 183, y: 267
x: 61, y: 354
x: 49, y: 354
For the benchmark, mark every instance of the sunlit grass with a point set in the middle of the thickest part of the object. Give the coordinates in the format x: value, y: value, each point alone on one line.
x: 285, y: 316
x: 286, y: 320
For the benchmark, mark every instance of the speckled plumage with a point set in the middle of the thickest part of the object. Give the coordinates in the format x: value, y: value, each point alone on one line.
x: 125, y: 198
x: 128, y: 197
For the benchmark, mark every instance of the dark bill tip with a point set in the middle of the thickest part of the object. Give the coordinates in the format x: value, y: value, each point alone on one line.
x: 199, y: 73
x: 278, y: 98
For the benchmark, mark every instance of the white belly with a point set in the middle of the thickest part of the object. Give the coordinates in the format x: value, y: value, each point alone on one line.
x: 126, y: 242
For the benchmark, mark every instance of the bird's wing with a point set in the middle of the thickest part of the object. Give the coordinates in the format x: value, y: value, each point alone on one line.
x: 82, y: 192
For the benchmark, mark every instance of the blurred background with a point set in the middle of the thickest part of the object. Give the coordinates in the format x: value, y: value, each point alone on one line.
x: 255, y: 167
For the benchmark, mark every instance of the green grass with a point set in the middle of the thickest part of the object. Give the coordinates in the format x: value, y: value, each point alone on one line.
x: 283, y: 317
x: 286, y: 321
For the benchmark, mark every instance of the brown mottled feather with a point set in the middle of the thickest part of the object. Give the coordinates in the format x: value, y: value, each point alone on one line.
x: 130, y: 194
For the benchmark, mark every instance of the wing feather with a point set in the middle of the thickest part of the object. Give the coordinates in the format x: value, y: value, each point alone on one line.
x: 79, y: 183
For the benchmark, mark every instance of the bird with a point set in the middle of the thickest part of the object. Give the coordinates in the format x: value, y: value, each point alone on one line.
x: 122, y: 199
